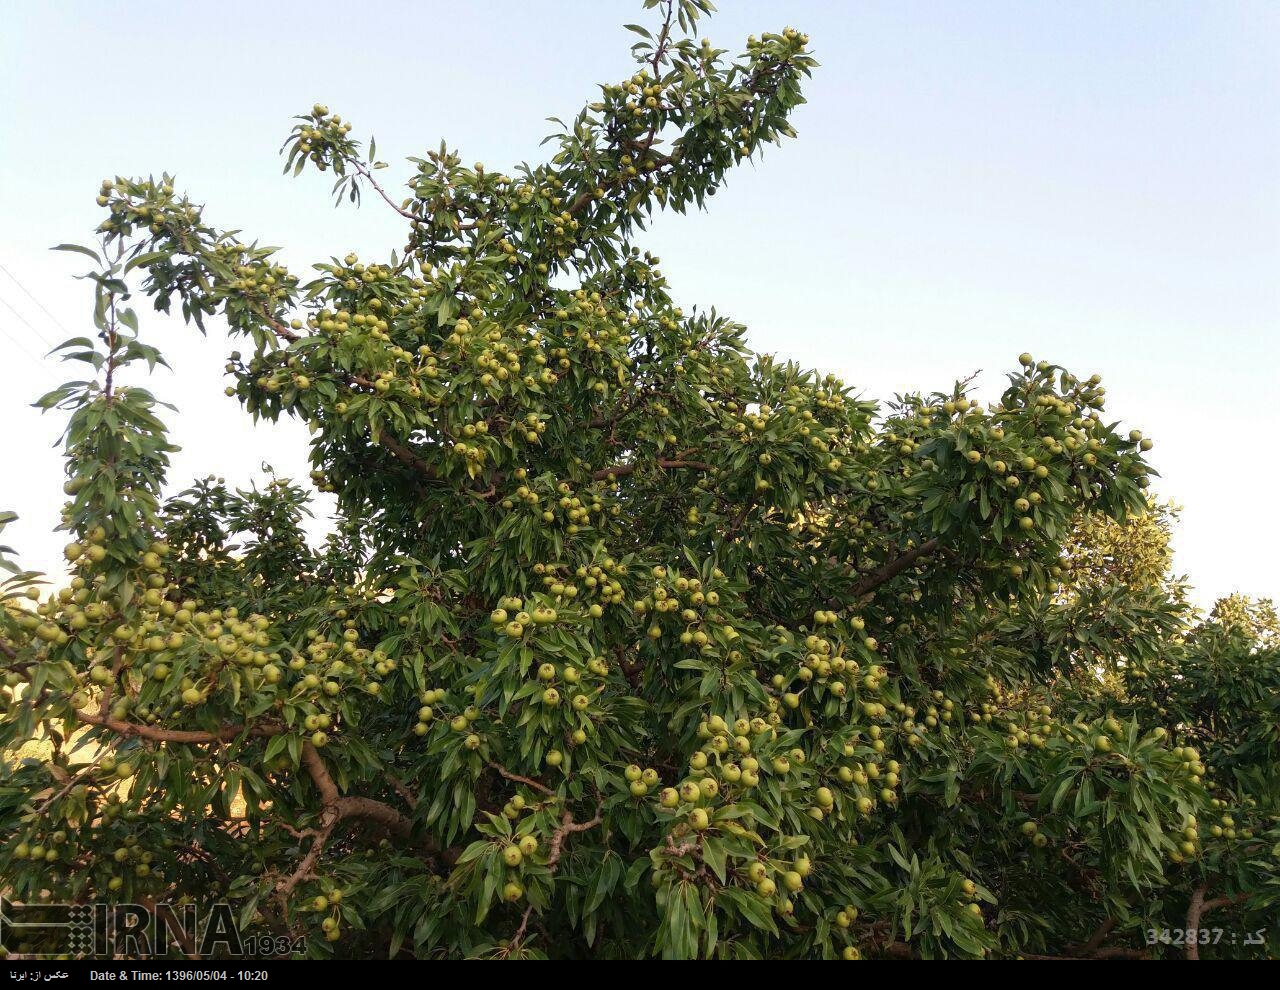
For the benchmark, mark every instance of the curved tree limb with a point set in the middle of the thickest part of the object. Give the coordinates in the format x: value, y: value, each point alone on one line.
x: 343, y: 807
x: 1198, y: 908
x: 334, y: 809
x: 527, y: 781
x: 225, y: 734
x: 1098, y: 937
x: 406, y: 456
x: 320, y: 776
x: 622, y: 470
x: 364, y: 171
x: 402, y: 789
x: 893, y: 568
x: 66, y: 788
x: 567, y: 827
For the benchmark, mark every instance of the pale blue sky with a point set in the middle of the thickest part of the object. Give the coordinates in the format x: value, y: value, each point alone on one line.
x: 1098, y: 183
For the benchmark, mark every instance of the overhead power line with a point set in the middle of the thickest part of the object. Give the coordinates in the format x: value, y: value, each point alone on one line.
x: 31, y: 326
x: 44, y: 309
x: 40, y: 365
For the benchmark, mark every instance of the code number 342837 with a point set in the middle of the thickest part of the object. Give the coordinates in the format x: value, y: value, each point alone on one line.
x: 1203, y: 936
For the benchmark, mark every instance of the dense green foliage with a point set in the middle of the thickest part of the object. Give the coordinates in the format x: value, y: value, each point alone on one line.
x: 629, y: 641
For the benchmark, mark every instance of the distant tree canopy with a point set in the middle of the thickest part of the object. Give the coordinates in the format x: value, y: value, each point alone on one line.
x: 629, y: 641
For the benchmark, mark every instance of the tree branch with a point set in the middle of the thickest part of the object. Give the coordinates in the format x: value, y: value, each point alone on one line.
x: 335, y: 809
x: 307, y: 864
x: 527, y: 781
x: 281, y: 331
x: 567, y: 827
x: 598, y: 422
x: 660, y: 49
x: 343, y: 807
x: 71, y: 783
x: 183, y: 938
x: 320, y: 776
x: 518, y: 937
x: 1098, y: 937
x: 402, y: 789
x: 622, y: 470
x: 368, y: 175
x: 405, y: 455
x: 1200, y: 907
x: 225, y: 734
x: 741, y: 517
x: 893, y: 568
x: 373, y: 810
x: 350, y: 807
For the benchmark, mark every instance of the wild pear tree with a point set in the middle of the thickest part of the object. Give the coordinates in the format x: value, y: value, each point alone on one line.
x: 629, y: 641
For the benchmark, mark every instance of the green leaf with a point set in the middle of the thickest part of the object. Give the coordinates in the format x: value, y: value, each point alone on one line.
x: 144, y: 259
x: 78, y: 249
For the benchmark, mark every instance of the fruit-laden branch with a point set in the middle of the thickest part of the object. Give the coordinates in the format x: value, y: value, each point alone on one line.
x: 225, y: 734
x: 1199, y: 908
x: 345, y: 807
x: 69, y: 786
x: 754, y: 87
x: 415, y: 463
x: 622, y: 470
x: 527, y: 781
x: 281, y: 331
x: 368, y: 175
x: 567, y: 827
x: 401, y: 452
x: 407, y: 456
x: 334, y: 809
x: 655, y: 63
x: 891, y: 570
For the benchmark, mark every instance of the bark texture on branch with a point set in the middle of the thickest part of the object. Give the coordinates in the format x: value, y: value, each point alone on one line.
x: 622, y: 470
x: 893, y: 568
x: 193, y: 736
x: 1198, y: 908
